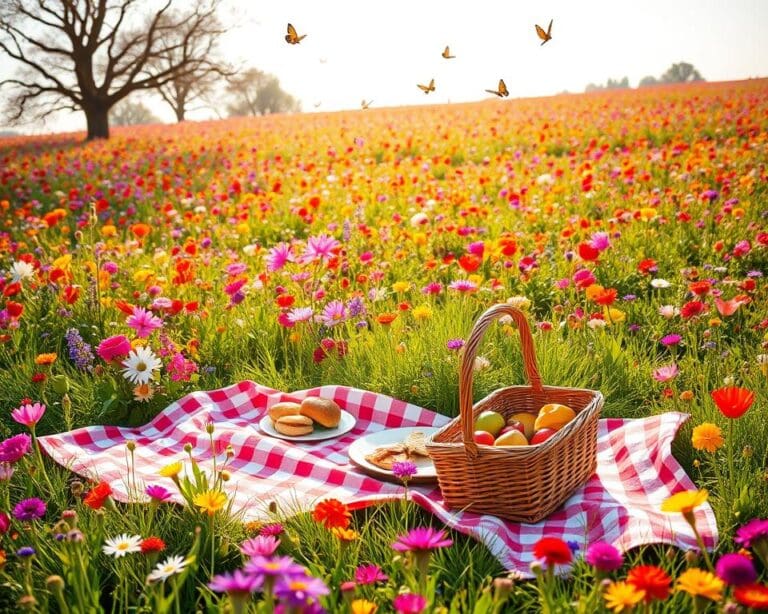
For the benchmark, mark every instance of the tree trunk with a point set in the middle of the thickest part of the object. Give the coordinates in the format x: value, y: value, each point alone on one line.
x: 97, y: 117
x: 180, y: 113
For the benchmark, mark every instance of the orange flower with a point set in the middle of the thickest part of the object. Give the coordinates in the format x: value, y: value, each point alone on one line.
x: 45, y: 359
x: 345, y: 535
x: 651, y: 579
x: 751, y: 596
x: 386, y: 318
x: 332, y: 513
x: 606, y: 296
x: 97, y: 496
x: 707, y: 436
x: 733, y: 401
x: 140, y: 230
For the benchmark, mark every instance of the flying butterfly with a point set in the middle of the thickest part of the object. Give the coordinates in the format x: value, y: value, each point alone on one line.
x: 544, y: 36
x: 365, y: 105
x: 447, y: 53
x: 292, y: 38
x: 502, y: 90
x: 427, y: 88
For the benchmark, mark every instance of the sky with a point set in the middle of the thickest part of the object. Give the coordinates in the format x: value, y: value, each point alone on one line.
x: 379, y: 51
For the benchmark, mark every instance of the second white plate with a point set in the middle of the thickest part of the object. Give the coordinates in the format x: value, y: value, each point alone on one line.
x: 364, y: 446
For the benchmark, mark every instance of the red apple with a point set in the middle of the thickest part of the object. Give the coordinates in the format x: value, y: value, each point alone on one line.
x: 542, y: 435
x: 513, y: 425
x: 484, y: 437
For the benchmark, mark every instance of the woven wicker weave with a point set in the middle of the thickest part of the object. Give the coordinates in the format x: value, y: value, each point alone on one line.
x: 522, y: 483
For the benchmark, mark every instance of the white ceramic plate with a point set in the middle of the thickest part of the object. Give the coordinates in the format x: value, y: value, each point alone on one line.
x: 346, y: 424
x: 364, y: 446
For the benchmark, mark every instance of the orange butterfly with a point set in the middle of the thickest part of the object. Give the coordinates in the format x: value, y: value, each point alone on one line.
x: 447, y: 53
x: 427, y: 88
x: 292, y: 37
x: 365, y: 105
x: 544, y: 36
x: 502, y: 91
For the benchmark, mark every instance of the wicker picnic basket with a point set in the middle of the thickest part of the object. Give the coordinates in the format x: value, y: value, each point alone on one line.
x: 521, y: 483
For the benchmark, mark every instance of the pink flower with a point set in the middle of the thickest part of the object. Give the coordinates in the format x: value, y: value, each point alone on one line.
x: 370, y: 574
x: 333, y: 313
x: 278, y: 256
x: 665, y: 373
x: 5, y: 523
x: 583, y: 278
x: 114, y: 348
x: 600, y: 241
x: 409, y: 603
x: 143, y: 322
x: 180, y: 369
x: 420, y: 539
x: 320, y: 247
x: 28, y: 415
x: 729, y: 307
x: 262, y: 545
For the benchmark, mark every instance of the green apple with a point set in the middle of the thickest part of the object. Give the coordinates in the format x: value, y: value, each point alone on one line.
x: 491, y: 422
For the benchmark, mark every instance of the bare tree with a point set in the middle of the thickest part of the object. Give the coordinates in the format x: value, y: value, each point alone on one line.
x: 89, y: 54
x: 254, y: 92
x: 202, y: 72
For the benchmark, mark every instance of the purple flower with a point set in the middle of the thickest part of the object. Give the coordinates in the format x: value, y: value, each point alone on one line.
x: 300, y: 314
x: 263, y: 545
x: 29, y: 509
x: 80, y: 353
x: 261, y: 566
x: 14, y: 448
x: 573, y: 546
x: 311, y: 608
x: 735, y: 569
x: 752, y: 532
x: 669, y: 340
x: 333, y: 313
x: 370, y: 574
x: 25, y: 551
x: 298, y: 590
x: 463, y: 285
x: 157, y: 493
x: 455, y: 344
x: 404, y: 470
x: 604, y: 557
x: 420, y: 539
x: 600, y: 241
x: 235, y: 582
x: 409, y: 603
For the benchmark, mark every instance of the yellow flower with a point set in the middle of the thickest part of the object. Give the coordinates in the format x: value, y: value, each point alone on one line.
x: 62, y: 262
x: 361, y: 606
x: 700, y: 583
x: 143, y: 274
x: 401, y: 286
x: 171, y: 471
x: 684, y: 501
x: 622, y: 597
x: 345, y: 535
x: 422, y: 312
x: 707, y: 436
x: 592, y: 291
x: 45, y: 359
x: 613, y: 315
x: 523, y: 303
x: 108, y: 230
x: 210, y: 501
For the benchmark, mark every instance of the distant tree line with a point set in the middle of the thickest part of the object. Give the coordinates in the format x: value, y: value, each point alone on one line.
x: 681, y: 72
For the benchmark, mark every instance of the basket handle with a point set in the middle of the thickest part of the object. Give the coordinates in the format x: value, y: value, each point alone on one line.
x: 468, y: 360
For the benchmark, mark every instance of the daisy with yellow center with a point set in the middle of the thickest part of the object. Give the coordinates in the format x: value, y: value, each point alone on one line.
x: 622, y: 597
x: 707, y: 436
x: 700, y: 583
x: 210, y: 501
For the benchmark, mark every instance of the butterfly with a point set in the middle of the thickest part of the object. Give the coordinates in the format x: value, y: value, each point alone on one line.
x: 447, y: 53
x: 427, y: 88
x: 292, y: 37
x: 544, y: 36
x: 502, y: 91
x: 365, y: 105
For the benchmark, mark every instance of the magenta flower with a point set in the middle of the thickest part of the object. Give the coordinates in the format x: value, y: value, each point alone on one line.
x: 278, y: 256
x: 29, y: 509
x: 333, y: 313
x: 455, y: 344
x: 144, y: 322
x: 432, y: 288
x: 320, y: 247
x: 236, y: 268
x: 370, y: 574
x: 157, y: 493
x: 237, y: 583
x: 262, y: 566
x: 603, y: 557
x: 262, y: 545
x: 5, y: 523
x: 296, y: 591
x: 670, y: 340
x: 180, y: 368
x: 600, y: 241
x: 14, y: 448
x: 422, y: 539
x: 112, y: 348
x: 409, y: 603
x: 272, y: 529
x: 752, y: 532
x: 735, y: 569
x: 665, y: 373
x: 28, y: 415
x: 583, y: 278
x: 404, y: 470
x: 463, y: 285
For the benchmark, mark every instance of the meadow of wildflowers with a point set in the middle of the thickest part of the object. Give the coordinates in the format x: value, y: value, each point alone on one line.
x: 357, y: 248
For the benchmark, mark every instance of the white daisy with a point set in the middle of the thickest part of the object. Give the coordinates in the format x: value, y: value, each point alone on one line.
x: 140, y: 364
x: 21, y: 270
x: 122, y: 545
x: 660, y: 283
x: 171, y: 566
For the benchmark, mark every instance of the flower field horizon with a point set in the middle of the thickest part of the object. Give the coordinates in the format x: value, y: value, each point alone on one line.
x: 358, y: 248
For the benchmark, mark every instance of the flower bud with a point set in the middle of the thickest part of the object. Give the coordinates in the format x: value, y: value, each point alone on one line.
x: 230, y: 451
x: 747, y: 452
x: 691, y: 558
x: 76, y: 487
x: 187, y: 447
x: 503, y: 587
x: 27, y: 602
x: 209, y: 428
x: 225, y: 475
x: 131, y: 445
x: 55, y: 584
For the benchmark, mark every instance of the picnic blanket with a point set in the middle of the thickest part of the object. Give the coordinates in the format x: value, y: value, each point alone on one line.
x: 620, y: 504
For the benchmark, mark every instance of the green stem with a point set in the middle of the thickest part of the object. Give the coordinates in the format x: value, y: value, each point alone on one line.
x: 731, y: 473
x: 692, y: 522
x: 213, y: 543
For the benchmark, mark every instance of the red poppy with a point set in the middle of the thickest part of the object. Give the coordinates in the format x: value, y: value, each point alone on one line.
x: 733, y: 401
x: 14, y: 309
x: 553, y: 551
x: 97, y: 496
x: 651, y: 579
x: 647, y: 266
x: 752, y: 596
x: 700, y: 288
x: 39, y: 377
x: 587, y: 252
x: 332, y: 513
x: 606, y: 296
x: 152, y: 544
x: 70, y: 294
x: 470, y: 263
x: 692, y: 309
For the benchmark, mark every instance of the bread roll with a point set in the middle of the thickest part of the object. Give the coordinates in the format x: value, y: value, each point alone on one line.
x: 294, y: 426
x: 323, y: 411
x: 286, y: 408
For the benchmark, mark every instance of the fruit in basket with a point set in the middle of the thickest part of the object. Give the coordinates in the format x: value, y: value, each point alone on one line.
x: 490, y: 421
x: 511, y: 438
x: 526, y: 419
x: 483, y: 437
x: 515, y: 426
x: 553, y: 416
x: 542, y: 435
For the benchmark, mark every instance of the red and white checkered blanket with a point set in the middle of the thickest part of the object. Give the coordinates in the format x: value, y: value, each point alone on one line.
x: 620, y: 504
